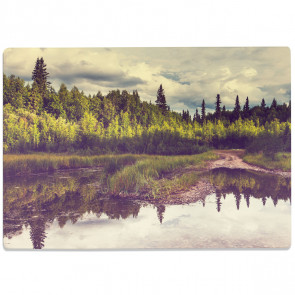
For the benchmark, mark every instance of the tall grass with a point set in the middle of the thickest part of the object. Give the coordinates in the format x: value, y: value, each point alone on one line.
x: 14, y: 164
x: 125, y: 174
x: 281, y: 161
x: 143, y: 173
x: 166, y: 187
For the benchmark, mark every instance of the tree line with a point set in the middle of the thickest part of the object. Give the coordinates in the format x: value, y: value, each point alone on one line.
x: 36, y: 117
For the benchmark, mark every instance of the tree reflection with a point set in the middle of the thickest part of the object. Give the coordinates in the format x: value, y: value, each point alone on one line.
x: 218, y: 200
x: 35, y: 202
x: 249, y: 184
x: 37, y: 232
x: 238, y: 200
x: 247, y: 198
x: 160, y: 212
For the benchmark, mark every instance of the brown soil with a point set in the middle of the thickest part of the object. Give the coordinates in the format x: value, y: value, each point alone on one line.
x: 232, y: 159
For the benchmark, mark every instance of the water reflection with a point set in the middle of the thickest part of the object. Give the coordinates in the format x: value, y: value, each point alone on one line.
x: 35, y: 204
x: 247, y: 184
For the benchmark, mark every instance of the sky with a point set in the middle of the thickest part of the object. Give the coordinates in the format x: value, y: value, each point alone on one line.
x: 188, y: 74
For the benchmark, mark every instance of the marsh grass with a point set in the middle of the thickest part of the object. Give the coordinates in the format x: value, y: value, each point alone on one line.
x: 18, y: 164
x: 145, y: 174
x: 281, y: 161
x: 127, y: 174
x: 168, y: 187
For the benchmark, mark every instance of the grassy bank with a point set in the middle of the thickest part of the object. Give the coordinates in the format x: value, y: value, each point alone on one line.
x: 17, y: 164
x: 280, y: 161
x: 151, y: 175
x: 145, y: 175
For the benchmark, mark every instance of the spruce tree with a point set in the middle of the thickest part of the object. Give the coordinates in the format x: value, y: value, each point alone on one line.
x: 246, y: 108
x: 263, y: 104
x: 161, y: 99
x: 218, y: 109
x: 274, y: 104
x: 40, y: 76
x: 237, y: 109
x: 203, y: 112
x: 196, y: 116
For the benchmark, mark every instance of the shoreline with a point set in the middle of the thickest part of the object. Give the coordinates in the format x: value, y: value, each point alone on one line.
x: 190, y: 192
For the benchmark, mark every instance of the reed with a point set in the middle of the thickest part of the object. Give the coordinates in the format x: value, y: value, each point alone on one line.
x: 18, y: 164
x: 143, y: 174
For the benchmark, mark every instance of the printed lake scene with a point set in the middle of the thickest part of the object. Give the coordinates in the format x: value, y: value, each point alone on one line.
x: 146, y: 148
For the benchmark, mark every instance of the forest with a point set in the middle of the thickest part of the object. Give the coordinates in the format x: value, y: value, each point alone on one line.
x: 36, y: 117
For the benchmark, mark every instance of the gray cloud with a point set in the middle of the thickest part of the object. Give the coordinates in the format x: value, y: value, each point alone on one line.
x: 277, y: 91
x: 101, y: 78
x: 174, y: 77
x: 188, y: 75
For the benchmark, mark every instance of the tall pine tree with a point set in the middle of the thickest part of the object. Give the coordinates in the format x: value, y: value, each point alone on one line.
x: 237, y: 109
x: 40, y: 76
x: 203, y: 112
x: 196, y: 116
x: 218, y: 109
x: 274, y: 104
x: 161, y: 99
x: 263, y: 104
x: 246, y: 109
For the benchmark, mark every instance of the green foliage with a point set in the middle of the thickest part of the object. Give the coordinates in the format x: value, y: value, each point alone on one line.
x: 274, y: 138
x: 45, y: 120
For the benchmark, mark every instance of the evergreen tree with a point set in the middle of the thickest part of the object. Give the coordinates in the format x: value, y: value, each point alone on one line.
x: 289, y: 111
x: 263, y: 105
x: 161, y: 99
x: 237, y: 109
x: 203, y: 112
x: 246, y: 109
x: 218, y: 109
x: 274, y: 104
x: 40, y: 76
x: 186, y: 116
x: 196, y: 116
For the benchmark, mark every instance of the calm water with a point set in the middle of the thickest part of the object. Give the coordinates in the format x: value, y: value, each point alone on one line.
x: 67, y: 210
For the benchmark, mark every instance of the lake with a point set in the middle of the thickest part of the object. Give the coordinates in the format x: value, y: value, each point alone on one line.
x: 70, y: 210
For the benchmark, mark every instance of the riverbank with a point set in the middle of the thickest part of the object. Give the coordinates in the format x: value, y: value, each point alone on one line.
x: 235, y: 159
x: 190, y: 184
x: 280, y: 161
x: 23, y: 164
x: 156, y: 179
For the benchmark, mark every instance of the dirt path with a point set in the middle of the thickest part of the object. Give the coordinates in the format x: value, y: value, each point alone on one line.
x: 232, y: 159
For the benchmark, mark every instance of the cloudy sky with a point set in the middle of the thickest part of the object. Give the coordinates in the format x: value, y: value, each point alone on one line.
x: 188, y: 75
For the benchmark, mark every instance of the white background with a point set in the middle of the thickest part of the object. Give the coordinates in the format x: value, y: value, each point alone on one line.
x: 150, y: 23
